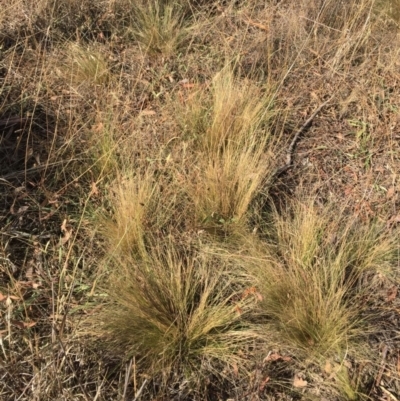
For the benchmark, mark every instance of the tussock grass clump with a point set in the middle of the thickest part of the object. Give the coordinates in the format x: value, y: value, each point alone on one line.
x: 234, y: 147
x: 178, y: 312
x: 160, y: 27
x: 86, y: 65
x: 312, y: 282
x: 142, y: 209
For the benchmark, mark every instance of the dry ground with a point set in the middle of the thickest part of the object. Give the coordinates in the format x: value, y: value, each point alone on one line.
x: 162, y: 237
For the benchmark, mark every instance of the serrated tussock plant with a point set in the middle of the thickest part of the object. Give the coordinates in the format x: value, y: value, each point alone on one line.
x: 160, y: 27
x: 312, y: 278
x: 235, y: 150
x: 177, y: 311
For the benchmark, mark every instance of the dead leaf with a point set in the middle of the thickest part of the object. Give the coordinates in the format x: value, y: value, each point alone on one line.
x: 238, y: 310
x: 256, y: 24
x: 390, y: 192
x: 18, y: 190
x: 340, y: 137
x: 97, y: 128
x: 28, y: 325
x: 29, y: 284
x: 2, y: 297
x: 252, y: 291
x: 392, y: 294
x: 94, y: 190
x: 264, y: 383
x: 23, y: 325
x: 147, y: 112
x: 328, y: 367
x: 298, y: 382
x: 235, y: 369
x: 22, y: 209
x: 188, y: 85
x: 274, y: 356
x: 66, y: 231
x: 29, y: 273
x: 393, y: 220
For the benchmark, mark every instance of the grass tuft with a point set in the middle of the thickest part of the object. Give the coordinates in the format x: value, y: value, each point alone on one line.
x: 177, y: 311
x: 141, y: 209
x: 311, y: 280
x: 161, y: 27
x: 235, y: 151
x: 86, y: 65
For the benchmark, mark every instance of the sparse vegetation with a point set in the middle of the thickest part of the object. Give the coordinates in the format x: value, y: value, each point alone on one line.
x: 159, y: 236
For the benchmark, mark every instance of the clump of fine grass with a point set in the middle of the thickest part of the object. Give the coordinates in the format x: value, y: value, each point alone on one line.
x: 311, y: 281
x: 234, y: 150
x: 177, y: 312
x: 141, y: 208
x: 86, y: 65
x: 160, y: 27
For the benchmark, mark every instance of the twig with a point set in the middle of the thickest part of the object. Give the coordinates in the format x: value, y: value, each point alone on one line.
x: 300, y: 131
x: 7, y: 122
x: 388, y: 393
x: 256, y: 24
x: 127, y: 375
x: 137, y: 395
x: 383, y: 365
x: 22, y: 173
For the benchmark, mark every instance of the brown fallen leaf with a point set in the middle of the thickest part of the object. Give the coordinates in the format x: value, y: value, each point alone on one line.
x: 189, y: 85
x: 94, y: 190
x: 392, y: 294
x: 238, y: 310
x: 393, y: 220
x: 390, y: 192
x: 264, y: 383
x: 67, y: 232
x: 328, y: 367
x: 340, y: 137
x: 274, y: 356
x: 23, y: 325
x: 235, y: 369
x: 298, y: 382
x: 148, y: 112
x: 252, y: 291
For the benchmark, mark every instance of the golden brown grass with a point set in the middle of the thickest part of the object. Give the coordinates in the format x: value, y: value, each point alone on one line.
x: 142, y: 208
x: 313, y: 280
x: 234, y: 147
x: 161, y: 27
x: 85, y: 65
x: 179, y: 312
